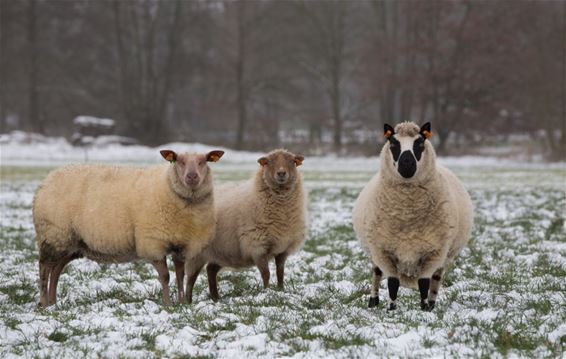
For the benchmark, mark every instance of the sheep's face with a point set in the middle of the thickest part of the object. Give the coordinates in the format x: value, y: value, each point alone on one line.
x: 408, y: 148
x: 280, y: 168
x: 191, y: 168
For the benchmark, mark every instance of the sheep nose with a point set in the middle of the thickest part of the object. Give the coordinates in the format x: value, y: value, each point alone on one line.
x: 192, y: 176
x: 407, y: 165
x: 281, y: 173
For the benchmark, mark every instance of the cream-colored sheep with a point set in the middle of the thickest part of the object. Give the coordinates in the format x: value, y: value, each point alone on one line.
x: 260, y: 219
x: 118, y: 214
x: 413, y: 217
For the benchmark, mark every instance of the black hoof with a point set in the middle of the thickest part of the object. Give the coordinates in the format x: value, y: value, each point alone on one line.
x: 431, y: 304
x: 392, y: 306
x: 373, y: 302
x: 425, y: 306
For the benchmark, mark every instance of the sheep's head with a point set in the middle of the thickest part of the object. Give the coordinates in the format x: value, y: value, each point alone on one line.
x: 407, y: 151
x: 280, y: 169
x: 191, y: 168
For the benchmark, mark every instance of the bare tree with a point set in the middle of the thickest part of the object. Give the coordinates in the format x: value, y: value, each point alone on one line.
x: 147, y: 42
x: 34, y: 114
x: 325, y: 55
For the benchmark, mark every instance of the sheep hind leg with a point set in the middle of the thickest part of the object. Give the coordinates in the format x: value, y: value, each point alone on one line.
x: 280, y: 265
x: 54, y: 277
x: 163, y: 272
x: 434, y: 287
x: 376, y: 274
x: 180, y: 276
x: 44, y: 272
x: 211, y: 272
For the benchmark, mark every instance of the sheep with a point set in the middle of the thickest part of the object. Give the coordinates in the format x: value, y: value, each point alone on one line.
x: 413, y: 217
x: 118, y: 214
x: 257, y: 220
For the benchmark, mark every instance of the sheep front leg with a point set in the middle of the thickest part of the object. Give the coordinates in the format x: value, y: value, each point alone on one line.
x: 434, y: 287
x: 163, y: 272
x: 180, y: 276
x: 376, y: 274
x: 211, y: 272
x: 193, y: 268
x: 263, y: 266
x: 280, y: 265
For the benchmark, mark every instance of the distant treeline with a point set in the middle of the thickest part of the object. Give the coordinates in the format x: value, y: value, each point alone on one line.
x: 251, y: 74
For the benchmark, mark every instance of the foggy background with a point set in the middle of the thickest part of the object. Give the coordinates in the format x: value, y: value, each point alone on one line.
x: 315, y: 76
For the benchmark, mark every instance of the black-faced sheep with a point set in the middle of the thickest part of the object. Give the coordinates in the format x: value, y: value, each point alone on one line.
x: 413, y: 217
x: 118, y: 214
x: 257, y: 220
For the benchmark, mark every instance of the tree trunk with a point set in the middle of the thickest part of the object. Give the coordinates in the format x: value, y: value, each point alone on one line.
x: 337, y: 122
x: 34, y: 117
x: 241, y: 100
x: 3, y: 50
x: 561, y: 155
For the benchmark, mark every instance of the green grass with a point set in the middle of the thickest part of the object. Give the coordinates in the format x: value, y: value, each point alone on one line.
x: 504, y: 296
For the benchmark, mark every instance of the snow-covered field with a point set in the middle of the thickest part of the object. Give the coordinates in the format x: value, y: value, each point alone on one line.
x: 506, y: 295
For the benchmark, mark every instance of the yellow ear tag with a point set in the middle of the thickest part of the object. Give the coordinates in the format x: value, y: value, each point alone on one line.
x: 427, y: 134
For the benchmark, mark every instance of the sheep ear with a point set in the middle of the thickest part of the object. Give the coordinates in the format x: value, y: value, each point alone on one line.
x: 263, y: 161
x: 214, y: 156
x: 299, y: 160
x: 388, y: 131
x: 169, y: 155
x: 426, y: 131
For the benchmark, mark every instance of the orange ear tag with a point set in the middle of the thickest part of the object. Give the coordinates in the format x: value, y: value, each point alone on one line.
x: 387, y: 134
x: 427, y: 134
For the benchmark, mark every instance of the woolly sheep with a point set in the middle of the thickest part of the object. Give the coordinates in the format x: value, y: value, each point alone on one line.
x: 413, y: 217
x: 117, y: 214
x: 257, y: 220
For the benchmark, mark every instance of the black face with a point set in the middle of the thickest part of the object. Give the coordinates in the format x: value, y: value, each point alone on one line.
x: 395, y: 148
x: 418, y: 147
x: 407, y: 160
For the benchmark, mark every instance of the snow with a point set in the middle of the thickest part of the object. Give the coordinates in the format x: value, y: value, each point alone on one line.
x: 87, y: 121
x: 512, y: 267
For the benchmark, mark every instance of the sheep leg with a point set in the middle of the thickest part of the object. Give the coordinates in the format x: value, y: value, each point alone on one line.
x: 393, y: 287
x: 376, y: 274
x: 424, y: 285
x: 54, y: 277
x: 163, y: 272
x: 280, y: 265
x: 44, y: 271
x: 434, y: 287
x: 211, y: 272
x: 263, y: 266
x: 180, y: 276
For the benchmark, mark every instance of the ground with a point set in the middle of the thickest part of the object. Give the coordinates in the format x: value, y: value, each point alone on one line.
x: 505, y: 295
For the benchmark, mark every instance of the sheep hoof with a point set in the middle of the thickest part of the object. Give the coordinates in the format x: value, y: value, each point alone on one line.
x: 392, y: 306
x: 425, y: 306
x: 373, y: 302
x: 431, y: 304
